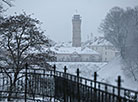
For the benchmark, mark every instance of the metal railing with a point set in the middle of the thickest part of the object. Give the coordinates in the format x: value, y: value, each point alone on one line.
x: 44, y: 86
x: 73, y: 88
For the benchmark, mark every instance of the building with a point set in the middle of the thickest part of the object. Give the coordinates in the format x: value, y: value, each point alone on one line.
x: 93, y: 50
x: 76, y: 37
x: 73, y: 51
x: 104, y: 48
x: 75, y: 54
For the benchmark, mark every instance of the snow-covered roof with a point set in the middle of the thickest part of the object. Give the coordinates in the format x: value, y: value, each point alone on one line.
x: 101, y: 41
x: 63, y: 44
x: 71, y: 50
x: 43, y: 49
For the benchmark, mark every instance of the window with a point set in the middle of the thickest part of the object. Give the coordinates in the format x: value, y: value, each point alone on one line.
x: 105, y: 53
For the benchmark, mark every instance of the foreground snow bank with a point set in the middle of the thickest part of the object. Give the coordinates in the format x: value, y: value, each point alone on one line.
x: 112, y: 70
x: 107, y: 72
x: 86, y: 68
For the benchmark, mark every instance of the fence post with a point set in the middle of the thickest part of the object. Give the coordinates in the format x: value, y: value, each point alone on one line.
x: 25, y: 97
x: 95, y: 79
x: 78, y: 88
x: 54, y: 67
x: 119, y: 85
x: 65, y: 69
x: 136, y: 96
x: 65, y: 84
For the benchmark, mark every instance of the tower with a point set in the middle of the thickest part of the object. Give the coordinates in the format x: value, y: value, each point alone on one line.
x: 76, y: 38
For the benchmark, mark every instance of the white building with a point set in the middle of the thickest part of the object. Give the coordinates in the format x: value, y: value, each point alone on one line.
x: 92, y: 50
x: 76, y: 54
x: 104, y: 47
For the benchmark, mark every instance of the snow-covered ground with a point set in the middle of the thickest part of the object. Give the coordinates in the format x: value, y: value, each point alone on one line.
x: 107, y: 72
x: 87, y: 69
x: 112, y: 70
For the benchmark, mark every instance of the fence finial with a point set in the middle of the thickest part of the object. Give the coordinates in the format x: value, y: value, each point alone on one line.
x: 54, y: 67
x: 119, y: 81
x: 95, y: 76
x: 65, y: 69
x: 78, y: 72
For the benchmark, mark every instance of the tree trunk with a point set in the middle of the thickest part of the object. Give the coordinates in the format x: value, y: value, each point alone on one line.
x: 10, y: 92
x: 12, y: 87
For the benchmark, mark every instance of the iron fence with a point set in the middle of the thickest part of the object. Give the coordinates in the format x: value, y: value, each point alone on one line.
x: 73, y: 88
x: 44, y: 86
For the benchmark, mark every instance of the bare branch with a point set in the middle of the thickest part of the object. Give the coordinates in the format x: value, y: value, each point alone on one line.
x: 8, y: 74
x: 7, y: 2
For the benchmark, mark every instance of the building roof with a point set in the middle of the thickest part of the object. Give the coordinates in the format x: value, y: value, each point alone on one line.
x: 63, y: 44
x: 71, y: 50
x: 101, y: 41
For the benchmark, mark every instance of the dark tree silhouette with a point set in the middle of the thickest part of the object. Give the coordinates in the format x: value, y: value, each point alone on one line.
x: 22, y: 41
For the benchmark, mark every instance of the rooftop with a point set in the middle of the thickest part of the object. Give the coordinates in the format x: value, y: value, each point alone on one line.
x: 71, y: 50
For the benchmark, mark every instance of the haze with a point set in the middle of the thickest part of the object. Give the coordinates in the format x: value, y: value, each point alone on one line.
x: 56, y: 15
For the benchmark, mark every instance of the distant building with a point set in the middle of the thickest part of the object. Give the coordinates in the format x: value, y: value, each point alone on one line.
x: 76, y: 37
x: 98, y: 49
x: 104, y: 47
x: 75, y: 54
x: 72, y: 51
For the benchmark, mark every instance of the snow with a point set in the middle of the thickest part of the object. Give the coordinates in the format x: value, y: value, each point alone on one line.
x: 110, y: 72
x: 47, y: 99
x: 87, y: 69
x: 107, y: 72
x: 63, y: 44
x: 70, y: 50
x: 101, y: 41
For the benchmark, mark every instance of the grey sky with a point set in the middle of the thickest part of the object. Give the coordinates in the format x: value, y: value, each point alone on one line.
x: 56, y: 15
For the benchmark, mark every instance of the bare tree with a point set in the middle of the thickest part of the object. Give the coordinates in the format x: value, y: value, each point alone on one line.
x: 131, y: 49
x: 2, y: 9
x: 111, y: 26
x: 8, y: 2
x: 21, y: 41
x: 120, y: 27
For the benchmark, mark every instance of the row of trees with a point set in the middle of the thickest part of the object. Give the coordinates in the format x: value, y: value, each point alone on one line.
x: 21, y: 41
x: 120, y: 27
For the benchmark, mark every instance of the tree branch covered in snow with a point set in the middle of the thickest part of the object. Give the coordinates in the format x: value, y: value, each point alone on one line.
x: 7, y: 2
x: 120, y: 27
x: 22, y: 41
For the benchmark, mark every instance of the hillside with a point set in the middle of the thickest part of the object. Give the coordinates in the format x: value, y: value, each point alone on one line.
x: 110, y: 72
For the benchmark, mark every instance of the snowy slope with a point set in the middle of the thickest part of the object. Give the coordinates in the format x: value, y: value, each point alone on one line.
x: 87, y: 69
x: 110, y: 72
x: 107, y: 73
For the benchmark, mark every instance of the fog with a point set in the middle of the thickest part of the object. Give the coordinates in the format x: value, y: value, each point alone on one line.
x: 56, y: 15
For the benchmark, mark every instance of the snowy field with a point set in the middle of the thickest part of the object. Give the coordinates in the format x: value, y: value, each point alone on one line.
x: 87, y: 69
x: 107, y: 72
x: 112, y: 70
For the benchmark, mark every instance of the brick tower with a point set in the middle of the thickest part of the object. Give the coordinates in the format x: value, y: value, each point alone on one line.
x: 76, y: 38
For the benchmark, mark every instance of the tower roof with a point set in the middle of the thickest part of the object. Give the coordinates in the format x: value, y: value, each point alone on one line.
x: 76, y: 17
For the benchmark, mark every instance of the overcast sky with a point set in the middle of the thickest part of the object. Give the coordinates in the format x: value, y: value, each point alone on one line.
x: 56, y: 15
